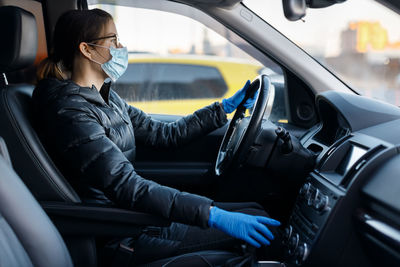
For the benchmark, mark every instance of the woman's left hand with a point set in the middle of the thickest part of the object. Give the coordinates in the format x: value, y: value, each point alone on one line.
x: 230, y: 104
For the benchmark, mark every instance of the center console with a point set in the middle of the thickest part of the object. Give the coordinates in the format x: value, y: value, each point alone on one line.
x: 315, y: 202
x: 338, y: 167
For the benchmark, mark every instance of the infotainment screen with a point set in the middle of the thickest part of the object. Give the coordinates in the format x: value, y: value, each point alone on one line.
x: 353, y: 154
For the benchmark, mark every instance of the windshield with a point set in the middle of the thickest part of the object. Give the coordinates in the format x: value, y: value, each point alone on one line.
x: 358, y: 40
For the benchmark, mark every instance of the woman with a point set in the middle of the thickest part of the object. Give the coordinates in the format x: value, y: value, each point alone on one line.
x: 90, y: 132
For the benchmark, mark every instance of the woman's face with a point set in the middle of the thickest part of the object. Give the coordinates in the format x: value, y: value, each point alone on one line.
x: 108, y: 38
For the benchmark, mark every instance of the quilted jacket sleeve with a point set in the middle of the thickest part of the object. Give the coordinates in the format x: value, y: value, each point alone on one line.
x: 83, y: 146
x: 155, y: 133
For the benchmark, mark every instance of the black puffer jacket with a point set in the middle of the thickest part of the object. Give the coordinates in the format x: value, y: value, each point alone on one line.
x: 91, y: 137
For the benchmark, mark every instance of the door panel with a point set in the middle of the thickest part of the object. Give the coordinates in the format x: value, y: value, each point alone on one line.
x: 190, y: 167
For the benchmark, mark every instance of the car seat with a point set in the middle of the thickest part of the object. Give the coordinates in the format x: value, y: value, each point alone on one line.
x: 27, y: 236
x: 32, y: 163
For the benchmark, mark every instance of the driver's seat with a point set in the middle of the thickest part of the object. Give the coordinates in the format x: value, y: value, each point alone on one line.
x: 30, y: 160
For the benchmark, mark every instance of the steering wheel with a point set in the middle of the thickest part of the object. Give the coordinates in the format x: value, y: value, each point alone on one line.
x: 242, y: 130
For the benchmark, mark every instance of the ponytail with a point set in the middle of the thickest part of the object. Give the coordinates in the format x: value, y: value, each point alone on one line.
x: 48, y: 69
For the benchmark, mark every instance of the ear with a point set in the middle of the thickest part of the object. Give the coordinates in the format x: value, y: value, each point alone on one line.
x: 86, y: 50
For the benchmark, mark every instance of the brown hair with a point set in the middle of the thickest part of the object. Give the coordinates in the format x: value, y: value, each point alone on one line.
x: 72, y: 28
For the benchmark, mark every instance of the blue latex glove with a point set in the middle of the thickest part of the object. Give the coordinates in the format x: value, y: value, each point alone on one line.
x: 249, y: 228
x: 230, y: 104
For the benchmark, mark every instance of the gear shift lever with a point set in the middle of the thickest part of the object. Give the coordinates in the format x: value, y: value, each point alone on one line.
x: 284, y: 135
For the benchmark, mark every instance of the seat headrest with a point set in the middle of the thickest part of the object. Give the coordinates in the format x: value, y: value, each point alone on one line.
x: 19, y: 39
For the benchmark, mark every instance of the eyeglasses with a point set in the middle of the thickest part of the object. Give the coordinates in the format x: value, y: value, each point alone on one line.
x: 114, y: 40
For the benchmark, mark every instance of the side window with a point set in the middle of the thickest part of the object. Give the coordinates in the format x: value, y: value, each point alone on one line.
x: 178, y: 65
x: 170, y: 81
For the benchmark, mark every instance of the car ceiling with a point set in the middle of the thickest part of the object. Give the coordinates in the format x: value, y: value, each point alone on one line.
x: 393, y: 4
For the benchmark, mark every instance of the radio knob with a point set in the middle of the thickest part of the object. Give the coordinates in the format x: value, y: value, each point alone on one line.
x: 287, y: 234
x: 312, y: 197
x: 304, y: 189
x: 301, y: 253
x: 308, y: 194
x: 293, y: 243
x: 322, y: 203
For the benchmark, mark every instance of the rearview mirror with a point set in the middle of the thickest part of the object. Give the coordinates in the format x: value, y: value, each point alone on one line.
x: 294, y: 9
x: 322, y: 3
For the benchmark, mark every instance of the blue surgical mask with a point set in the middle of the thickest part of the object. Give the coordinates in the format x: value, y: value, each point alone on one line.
x: 117, y: 65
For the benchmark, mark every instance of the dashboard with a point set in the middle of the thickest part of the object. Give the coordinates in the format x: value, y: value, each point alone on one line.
x: 347, y: 211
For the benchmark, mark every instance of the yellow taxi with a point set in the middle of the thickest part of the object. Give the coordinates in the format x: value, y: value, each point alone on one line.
x: 181, y: 84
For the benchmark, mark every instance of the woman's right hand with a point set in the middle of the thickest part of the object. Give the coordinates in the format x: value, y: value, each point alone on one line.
x: 252, y: 229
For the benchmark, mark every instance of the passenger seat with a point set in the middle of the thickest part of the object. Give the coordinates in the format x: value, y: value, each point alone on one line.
x: 27, y: 236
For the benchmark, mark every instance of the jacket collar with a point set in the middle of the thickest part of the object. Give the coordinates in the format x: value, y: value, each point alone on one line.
x: 91, y: 94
